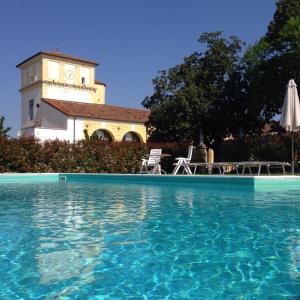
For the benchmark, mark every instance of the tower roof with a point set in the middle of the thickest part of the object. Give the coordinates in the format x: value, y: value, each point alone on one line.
x: 57, y: 54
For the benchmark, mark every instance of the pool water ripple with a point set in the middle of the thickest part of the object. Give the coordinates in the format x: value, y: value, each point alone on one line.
x: 112, y: 241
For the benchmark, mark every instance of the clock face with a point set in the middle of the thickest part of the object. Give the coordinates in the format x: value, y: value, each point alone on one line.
x: 69, y: 74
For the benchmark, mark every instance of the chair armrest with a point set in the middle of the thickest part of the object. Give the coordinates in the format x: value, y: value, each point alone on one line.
x: 181, y: 158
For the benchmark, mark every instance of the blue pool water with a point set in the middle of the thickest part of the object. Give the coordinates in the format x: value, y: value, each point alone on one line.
x: 91, y: 240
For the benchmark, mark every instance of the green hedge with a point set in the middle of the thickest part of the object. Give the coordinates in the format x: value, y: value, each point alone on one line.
x: 31, y: 155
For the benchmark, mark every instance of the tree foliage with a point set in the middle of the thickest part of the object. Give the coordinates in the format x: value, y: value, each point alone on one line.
x: 3, y: 130
x: 275, y: 59
x: 285, y: 10
x: 191, y: 98
x: 224, y: 91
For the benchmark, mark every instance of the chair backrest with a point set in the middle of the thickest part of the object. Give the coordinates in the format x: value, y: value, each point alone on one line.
x: 154, y: 156
x: 190, y: 152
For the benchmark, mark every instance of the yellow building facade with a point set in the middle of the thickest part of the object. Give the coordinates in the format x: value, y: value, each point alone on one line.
x: 61, y: 99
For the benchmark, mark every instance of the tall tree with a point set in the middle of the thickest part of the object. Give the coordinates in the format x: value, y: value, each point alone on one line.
x: 189, y: 99
x: 274, y: 60
x: 285, y: 10
x: 3, y: 130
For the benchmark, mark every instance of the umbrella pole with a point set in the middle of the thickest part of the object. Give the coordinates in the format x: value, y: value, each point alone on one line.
x: 293, y: 158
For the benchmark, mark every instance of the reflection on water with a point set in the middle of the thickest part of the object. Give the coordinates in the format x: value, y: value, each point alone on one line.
x: 72, y: 235
x: 294, y: 251
x: 119, y: 241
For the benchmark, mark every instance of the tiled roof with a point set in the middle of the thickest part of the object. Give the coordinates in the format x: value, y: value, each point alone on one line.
x: 99, y: 111
x: 59, y: 55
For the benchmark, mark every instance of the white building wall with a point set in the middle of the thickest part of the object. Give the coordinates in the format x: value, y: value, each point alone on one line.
x: 31, y: 74
x: 33, y: 94
x: 26, y: 132
x: 48, y: 122
x: 50, y: 134
x: 37, y: 71
x: 68, y: 134
x: 53, y: 69
x: 50, y: 117
x: 85, y: 72
x: 79, y: 135
x: 68, y: 94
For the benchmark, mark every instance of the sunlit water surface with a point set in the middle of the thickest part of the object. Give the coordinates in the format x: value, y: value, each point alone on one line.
x: 136, y: 241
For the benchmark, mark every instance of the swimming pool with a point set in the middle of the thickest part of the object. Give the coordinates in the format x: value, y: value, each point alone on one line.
x: 118, y: 237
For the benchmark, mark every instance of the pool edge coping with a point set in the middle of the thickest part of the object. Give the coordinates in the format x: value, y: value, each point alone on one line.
x: 156, y: 175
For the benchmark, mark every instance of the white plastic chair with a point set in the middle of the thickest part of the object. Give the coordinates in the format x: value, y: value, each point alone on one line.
x: 183, y: 162
x: 152, y: 164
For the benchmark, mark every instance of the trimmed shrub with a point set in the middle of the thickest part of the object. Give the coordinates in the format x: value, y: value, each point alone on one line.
x: 94, y: 156
x: 31, y: 155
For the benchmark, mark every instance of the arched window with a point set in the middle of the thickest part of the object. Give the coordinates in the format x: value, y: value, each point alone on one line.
x: 102, y: 135
x: 131, y: 137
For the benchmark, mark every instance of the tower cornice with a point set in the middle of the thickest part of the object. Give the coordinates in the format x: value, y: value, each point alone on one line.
x: 60, y: 84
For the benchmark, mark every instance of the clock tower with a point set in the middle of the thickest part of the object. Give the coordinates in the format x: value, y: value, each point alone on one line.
x: 56, y: 75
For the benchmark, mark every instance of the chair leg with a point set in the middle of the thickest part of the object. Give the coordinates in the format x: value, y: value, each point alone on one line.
x: 250, y: 171
x: 195, y: 169
x: 187, y: 170
x: 184, y: 169
x: 143, y: 169
x: 154, y: 170
x: 159, y: 169
x: 176, y: 169
x: 151, y: 171
x: 259, y: 168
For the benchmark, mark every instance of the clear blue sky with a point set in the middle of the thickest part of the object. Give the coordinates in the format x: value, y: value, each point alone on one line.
x: 130, y: 39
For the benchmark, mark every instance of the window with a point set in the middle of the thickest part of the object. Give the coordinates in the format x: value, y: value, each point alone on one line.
x: 131, y: 137
x: 30, y: 111
x: 83, y: 80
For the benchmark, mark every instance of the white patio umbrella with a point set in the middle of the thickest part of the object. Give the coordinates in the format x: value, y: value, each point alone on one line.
x: 290, y: 117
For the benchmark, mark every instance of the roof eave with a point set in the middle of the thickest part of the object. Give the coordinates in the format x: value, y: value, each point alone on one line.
x: 56, y: 55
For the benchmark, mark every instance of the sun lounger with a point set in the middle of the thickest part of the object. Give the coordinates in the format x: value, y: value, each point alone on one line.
x: 267, y: 164
x: 245, y: 165
x: 220, y: 166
